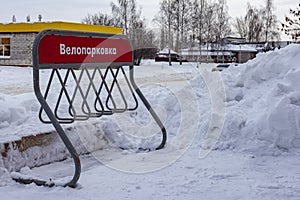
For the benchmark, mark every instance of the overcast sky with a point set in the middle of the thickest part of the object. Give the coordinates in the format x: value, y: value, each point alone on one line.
x: 75, y: 10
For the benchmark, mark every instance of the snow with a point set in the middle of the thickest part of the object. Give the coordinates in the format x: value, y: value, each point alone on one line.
x: 240, y: 48
x: 263, y: 103
x: 232, y: 47
x: 232, y: 135
x: 166, y: 51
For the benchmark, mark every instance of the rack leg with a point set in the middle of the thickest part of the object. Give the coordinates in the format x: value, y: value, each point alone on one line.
x: 65, y: 140
x: 73, y: 182
x: 149, y: 108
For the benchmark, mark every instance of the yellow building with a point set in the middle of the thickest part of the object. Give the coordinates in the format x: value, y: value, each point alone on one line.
x: 16, y: 39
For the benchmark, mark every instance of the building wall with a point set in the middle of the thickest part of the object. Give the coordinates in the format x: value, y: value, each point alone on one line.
x: 22, y: 36
x: 243, y: 57
x: 20, y: 49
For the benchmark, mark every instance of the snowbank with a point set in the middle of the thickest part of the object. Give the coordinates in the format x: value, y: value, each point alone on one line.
x: 263, y: 103
x: 262, y: 108
x: 132, y: 130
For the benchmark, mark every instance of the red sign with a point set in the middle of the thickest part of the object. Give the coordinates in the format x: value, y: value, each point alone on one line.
x: 60, y: 49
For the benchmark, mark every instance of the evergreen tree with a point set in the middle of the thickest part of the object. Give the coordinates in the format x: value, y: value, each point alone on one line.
x: 40, y: 17
x: 28, y: 18
x: 14, y: 19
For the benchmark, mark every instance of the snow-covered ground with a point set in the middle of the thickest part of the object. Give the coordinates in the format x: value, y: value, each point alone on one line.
x: 232, y: 135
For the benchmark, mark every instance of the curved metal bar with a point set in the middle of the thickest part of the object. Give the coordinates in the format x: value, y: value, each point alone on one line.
x: 63, y: 91
x: 131, y: 90
x: 87, y: 114
x: 59, y: 130
x: 115, y: 82
x: 92, y: 85
x: 104, y: 83
x: 149, y: 108
x: 98, y: 92
x: 45, y: 96
x: 55, y: 122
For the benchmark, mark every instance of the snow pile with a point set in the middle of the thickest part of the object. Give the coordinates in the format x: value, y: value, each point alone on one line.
x: 263, y: 103
x: 14, y: 112
x: 137, y: 130
x: 131, y: 130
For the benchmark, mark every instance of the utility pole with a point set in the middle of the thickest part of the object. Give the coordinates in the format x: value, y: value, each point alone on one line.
x: 181, y: 31
x: 200, y: 29
x: 169, y: 24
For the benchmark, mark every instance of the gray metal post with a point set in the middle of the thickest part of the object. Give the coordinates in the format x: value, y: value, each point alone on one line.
x: 149, y: 108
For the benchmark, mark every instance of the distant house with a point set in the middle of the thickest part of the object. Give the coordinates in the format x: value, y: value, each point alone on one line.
x: 16, y: 39
x: 267, y: 46
x: 239, y: 53
x: 231, y: 49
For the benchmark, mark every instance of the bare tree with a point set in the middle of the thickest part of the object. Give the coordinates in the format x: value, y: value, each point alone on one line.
x: 131, y: 21
x: 165, y: 20
x: 198, y: 19
x: 135, y: 21
x: 222, y: 27
x: 175, y: 20
x: 240, y: 26
x: 258, y: 24
x: 271, y: 23
x: 180, y: 20
x: 194, y: 22
x: 162, y: 22
x: 185, y: 21
x: 127, y: 15
x: 134, y: 27
x: 255, y: 23
x: 121, y: 10
x: 201, y: 18
x: 101, y: 19
x: 291, y: 26
x: 208, y: 24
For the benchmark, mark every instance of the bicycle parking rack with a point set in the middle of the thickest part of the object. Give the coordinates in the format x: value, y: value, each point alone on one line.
x: 72, y: 55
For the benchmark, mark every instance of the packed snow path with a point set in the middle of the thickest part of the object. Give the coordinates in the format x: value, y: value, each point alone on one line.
x: 221, y: 175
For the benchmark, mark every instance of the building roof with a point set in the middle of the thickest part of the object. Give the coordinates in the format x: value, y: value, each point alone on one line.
x: 166, y: 51
x: 228, y: 47
x: 240, y: 48
x: 39, y: 26
x: 205, y: 53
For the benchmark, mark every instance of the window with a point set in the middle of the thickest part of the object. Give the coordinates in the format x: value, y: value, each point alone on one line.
x: 4, y: 47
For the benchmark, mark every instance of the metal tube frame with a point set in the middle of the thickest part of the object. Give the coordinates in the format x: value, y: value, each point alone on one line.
x: 56, y: 120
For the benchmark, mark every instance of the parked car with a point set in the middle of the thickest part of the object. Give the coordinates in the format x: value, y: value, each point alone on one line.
x: 220, y: 67
x: 163, y: 56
